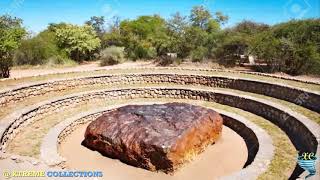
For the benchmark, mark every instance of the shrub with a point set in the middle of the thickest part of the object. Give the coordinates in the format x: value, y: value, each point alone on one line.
x: 60, y: 60
x: 111, y: 56
x: 229, y: 50
x: 140, y: 50
x: 33, y: 52
x: 111, y: 39
x: 39, y: 50
x: 198, y: 54
x: 291, y: 47
x: 80, y: 42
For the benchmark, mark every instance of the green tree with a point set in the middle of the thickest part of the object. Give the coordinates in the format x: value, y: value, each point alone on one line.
x: 291, y: 47
x: 200, y: 16
x: 250, y: 28
x: 213, y: 26
x: 220, y: 18
x: 78, y: 41
x: 177, y: 24
x: 230, y: 48
x: 176, y: 28
x: 114, y: 25
x: 236, y: 41
x: 40, y: 50
x: 98, y: 24
x: 203, y: 35
x: 112, y: 37
x: 11, y: 34
x: 145, y: 37
x: 199, y: 53
x: 52, y: 27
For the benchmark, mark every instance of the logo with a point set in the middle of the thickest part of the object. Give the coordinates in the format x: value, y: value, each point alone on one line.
x: 307, y: 161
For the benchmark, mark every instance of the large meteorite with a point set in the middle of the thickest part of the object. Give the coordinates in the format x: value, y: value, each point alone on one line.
x: 155, y: 137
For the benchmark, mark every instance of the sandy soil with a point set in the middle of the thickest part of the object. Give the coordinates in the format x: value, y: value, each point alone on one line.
x: 36, y: 71
x: 228, y: 155
x: 19, y: 72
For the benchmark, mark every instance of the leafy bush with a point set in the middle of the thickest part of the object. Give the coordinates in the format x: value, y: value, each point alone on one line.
x: 144, y: 38
x: 80, y: 42
x: 143, y: 52
x: 250, y: 27
x: 148, y: 37
x: 111, y: 56
x: 33, y: 51
x: 60, y: 60
x: 229, y: 50
x: 234, y: 42
x: 38, y: 50
x: 111, y: 39
x: 291, y: 47
x: 198, y: 54
x: 140, y: 50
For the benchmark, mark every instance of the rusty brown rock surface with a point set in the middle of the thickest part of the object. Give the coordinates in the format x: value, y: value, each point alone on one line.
x: 154, y: 137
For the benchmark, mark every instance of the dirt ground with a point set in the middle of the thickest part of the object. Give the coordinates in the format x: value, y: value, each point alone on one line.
x: 19, y: 72
x: 227, y: 155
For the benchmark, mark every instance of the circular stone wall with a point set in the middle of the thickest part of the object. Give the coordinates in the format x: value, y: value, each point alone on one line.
x: 257, y: 141
x: 212, y: 163
x: 182, y: 87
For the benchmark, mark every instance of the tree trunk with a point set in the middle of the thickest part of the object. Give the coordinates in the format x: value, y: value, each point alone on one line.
x: 5, y: 72
x: 5, y: 65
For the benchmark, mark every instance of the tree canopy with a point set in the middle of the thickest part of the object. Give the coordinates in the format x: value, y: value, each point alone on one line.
x: 11, y: 34
x: 291, y: 47
x: 77, y: 40
x: 200, y: 16
x: 97, y: 22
